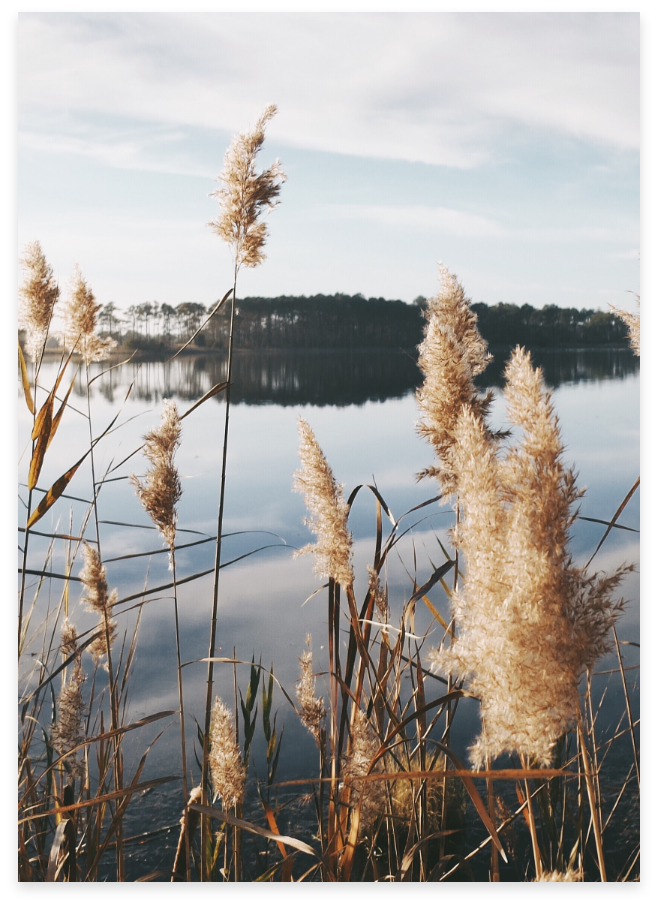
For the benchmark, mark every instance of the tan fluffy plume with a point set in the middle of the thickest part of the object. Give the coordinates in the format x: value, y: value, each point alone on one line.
x: 227, y: 770
x: 80, y: 319
x: 451, y: 356
x: 38, y: 295
x: 95, y: 595
x: 246, y: 195
x: 161, y: 490
x: 325, y: 502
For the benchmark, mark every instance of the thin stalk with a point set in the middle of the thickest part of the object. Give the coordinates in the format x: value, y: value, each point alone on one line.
x: 27, y: 519
x: 188, y: 864
x: 333, y: 697
x: 495, y: 870
x: 531, y: 822
x: 24, y: 569
x: 114, y: 708
x: 598, y: 837
x: 218, y: 556
x: 629, y: 713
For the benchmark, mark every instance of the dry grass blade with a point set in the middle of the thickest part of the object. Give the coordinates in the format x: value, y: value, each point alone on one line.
x: 50, y: 400
x: 205, y: 572
x: 206, y: 396
x: 612, y: 522
x: 107, y: 797
x: 60, y: 412
x: 408, y: 857
x: 69, y: 660
x: 199, y: 329
x: 616, y: 525
x: 45, y: 420
x: 431, y: 582
x: 26, y: 381
x: 64, y: 537
x: 48, y: 575
x: 112, y: 367
x: 54, y: 493
x: 254, y: 829
x: 61, y: 862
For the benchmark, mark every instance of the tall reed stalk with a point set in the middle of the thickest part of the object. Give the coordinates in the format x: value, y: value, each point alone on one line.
x: 244, y: 197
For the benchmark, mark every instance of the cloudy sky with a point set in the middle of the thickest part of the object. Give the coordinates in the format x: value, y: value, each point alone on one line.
x: 505, y: 145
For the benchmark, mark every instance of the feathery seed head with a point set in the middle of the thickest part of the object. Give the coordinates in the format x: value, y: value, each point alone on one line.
x: 80, y: 317
x: 364, y: 746
x: 312, y: 711
x: 69, y: 642
x: 245, y: 195
x: 38, y: 294
x: 226, y: 768
x: 95, y: 595
x: 451, y: 355
x: 161, y: 490
x: 328, y: 520
x: 375, y: 587
x: 633, y: 323
x: 528, y: 621
x: 571, y: 874
x: 68, y: 731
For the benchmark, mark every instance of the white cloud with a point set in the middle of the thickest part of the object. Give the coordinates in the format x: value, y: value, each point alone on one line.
x: 416, y: 217
x: 438, y: 88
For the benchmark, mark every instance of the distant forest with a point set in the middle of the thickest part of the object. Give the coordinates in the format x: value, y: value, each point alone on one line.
x: 341, y: 321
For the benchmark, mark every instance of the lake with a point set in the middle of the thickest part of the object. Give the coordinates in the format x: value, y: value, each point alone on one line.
x: 362, y: 408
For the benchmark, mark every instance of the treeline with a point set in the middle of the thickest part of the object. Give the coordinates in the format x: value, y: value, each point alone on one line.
x: 342, y: 321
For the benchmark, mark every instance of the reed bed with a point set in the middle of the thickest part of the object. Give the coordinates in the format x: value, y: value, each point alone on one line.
x: 391, y: 800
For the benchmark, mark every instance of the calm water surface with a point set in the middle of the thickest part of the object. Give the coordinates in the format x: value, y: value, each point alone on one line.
x: 363, y: 411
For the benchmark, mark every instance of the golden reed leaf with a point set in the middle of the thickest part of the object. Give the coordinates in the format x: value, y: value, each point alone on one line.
x: 54, y: 493
x: 60, y: 412
x: 26, y: 381
x: 45, y: 420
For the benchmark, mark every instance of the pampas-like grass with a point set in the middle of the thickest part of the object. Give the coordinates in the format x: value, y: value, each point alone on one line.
x: 80, y: 321
x: 325, y: 502
x: 98, y: 600
x: 528, y: 621
x: 245, y: 195
x: 227, y: 770
x: 312, y: 711
x: 38, y: 295
x: 364, y: 745
x: 632, y: 321
x: 161, y: 490
x: 451, y: 355
x: 67, y: 731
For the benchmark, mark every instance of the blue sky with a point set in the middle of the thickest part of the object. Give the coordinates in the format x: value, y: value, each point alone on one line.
x: 504, y: 145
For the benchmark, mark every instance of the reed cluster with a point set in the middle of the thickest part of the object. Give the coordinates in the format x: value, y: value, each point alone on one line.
x: 523, y: 625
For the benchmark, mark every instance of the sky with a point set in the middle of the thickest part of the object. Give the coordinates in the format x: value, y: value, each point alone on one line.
x: 506, y: 146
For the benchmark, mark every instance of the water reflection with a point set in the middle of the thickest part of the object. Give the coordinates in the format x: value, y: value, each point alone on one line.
x: 332, y: 377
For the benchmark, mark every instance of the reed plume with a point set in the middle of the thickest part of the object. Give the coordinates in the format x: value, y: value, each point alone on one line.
x: 328, y: 520
x: 375, y: 588
x: 571, y: 874
x: 38, y: 294
x: 68, y: 730
x: 227, y: 770
x: 364, y: 746
x: 80, y: 319
x: 632, y: 321
x: 245, y: 195
x: 528, y: 620
x: 451, y: 355
x: 312, y: 711
x: 95, y: 595
x: 161, y: 490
